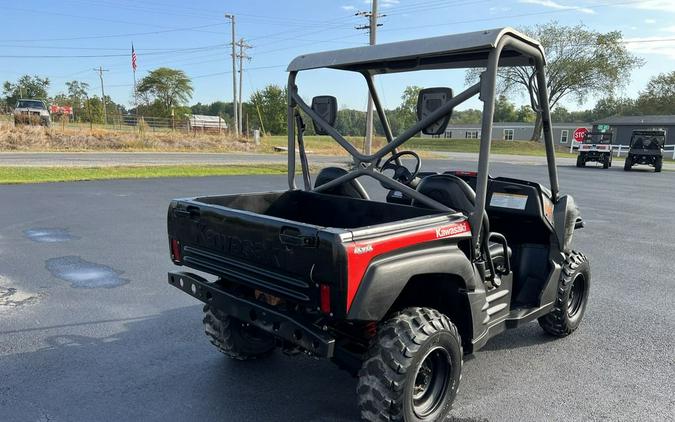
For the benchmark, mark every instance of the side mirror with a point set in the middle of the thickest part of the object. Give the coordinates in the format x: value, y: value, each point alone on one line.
x: 430, y: 100
x: 326, y: 107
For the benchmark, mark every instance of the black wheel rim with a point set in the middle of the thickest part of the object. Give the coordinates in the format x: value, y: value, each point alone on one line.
x: 252, y: 334
x: 576, y: 297
x: 431, y: 382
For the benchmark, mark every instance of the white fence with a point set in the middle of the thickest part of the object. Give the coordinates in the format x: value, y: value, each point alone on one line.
x: 624, y: 148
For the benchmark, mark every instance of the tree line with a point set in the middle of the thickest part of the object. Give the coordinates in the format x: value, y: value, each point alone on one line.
x: 581, y: 62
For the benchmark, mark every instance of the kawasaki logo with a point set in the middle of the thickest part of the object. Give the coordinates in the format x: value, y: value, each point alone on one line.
x: 451, y: 230
x: 363, y: 249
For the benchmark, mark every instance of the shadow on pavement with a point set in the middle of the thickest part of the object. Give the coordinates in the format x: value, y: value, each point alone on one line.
x: 525, y: 336
x: 163, y: 368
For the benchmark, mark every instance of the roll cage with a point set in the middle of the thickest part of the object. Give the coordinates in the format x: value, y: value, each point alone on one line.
x: 488, y: 49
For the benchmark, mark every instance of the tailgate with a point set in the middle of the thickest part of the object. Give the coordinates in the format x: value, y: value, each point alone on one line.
x: 280, y: 257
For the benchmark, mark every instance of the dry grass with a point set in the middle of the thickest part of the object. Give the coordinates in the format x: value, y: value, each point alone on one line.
x: 35, y: 138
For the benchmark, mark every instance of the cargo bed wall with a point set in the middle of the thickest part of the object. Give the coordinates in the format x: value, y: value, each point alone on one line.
x: 319, y: 209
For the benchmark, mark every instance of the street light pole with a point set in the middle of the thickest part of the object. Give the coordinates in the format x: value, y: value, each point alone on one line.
x: 234, y: 76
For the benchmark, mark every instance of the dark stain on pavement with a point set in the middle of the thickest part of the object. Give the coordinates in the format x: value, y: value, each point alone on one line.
x: 83, y: 274
x: 49, y: 235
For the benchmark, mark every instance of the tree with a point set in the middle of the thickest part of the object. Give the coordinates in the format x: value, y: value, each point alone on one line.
x: 75, y: 97
x: 613, y: 106
x: 25, y: 87
x: 166, y: 88
x: 406, y: 113
x: 526, y: 114
x: 580, y: 62
x: 659, y: 96
x: 271, y: 103
x: 505, y: 110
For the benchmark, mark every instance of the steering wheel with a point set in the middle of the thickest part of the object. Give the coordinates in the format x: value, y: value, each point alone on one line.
x: 401, y: 173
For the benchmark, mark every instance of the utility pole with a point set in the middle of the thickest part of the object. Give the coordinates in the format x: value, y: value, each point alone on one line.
x: 234, y: 75
x: 372, y: 31
x: 242, y: 45
x: 100, y: 71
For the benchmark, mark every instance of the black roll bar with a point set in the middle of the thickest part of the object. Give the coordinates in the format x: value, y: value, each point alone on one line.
x: 486, y: 87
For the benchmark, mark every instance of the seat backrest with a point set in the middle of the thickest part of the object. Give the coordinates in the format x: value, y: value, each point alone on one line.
x: 449, y: 190
x: 352, y: 188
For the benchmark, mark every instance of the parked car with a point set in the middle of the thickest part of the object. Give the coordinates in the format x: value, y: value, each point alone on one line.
x: 31, y: 112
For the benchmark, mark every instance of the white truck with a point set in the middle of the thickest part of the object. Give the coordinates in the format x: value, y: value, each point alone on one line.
x: 31, y: 112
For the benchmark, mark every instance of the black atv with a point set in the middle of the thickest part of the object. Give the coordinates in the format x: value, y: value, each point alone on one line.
x: 646, y: 147
x: 394, y: 292
x: 596, y: 147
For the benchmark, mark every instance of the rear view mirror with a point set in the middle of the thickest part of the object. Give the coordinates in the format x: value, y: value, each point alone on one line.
x: 326, y: 107
x: 430, y: 100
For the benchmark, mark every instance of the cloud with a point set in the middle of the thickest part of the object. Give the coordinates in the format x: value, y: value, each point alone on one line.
x: 658, y: 5
x: 652, y: 45
x: 553, y: 5
x: 669, y: 29
x: 385, y: 3
x: 650, y: 20
x: 348, y: 7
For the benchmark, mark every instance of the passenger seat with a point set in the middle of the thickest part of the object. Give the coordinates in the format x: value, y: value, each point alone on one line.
x: 455, y: 193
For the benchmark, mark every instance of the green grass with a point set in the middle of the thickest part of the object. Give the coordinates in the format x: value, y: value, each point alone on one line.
x: 319, y: 143
x: 17, y: 175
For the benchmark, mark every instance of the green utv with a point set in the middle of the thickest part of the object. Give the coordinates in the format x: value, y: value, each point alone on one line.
x: 395, y: 292
x: 646, y: 147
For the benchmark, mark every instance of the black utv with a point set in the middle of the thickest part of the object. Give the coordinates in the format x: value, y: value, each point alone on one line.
x: 394, y: 292
x: 646, y: 147
x: 596, y: 147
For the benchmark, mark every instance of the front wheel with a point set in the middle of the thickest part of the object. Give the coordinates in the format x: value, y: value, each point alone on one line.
x: 234, y: 338
x: 580, y: 161
x: 413, y: 368
x: 658, y: 164
x: 627, y: 164
x: 607, y: 162
x: 570, y: 304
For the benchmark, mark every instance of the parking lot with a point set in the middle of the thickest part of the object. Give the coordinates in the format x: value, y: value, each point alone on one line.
x: 90, y: 329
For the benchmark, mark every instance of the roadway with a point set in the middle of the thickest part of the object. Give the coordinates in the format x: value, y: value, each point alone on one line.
x: 90, y: 329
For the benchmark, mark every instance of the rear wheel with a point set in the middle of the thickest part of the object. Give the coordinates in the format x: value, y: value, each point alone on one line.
x: 607, y: 162
x: 580, y: 161
x: 235, y: 338
x: 627, y: 164
x: 413, y: 369
x: 658, y: 164
x: 570, y: 304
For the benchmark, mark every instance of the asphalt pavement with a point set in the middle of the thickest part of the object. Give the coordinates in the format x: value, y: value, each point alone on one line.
x: 103, y: 159
x: 91, y: 331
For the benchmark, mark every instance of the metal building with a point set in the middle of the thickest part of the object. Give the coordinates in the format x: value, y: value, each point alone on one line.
x: 623, y: 126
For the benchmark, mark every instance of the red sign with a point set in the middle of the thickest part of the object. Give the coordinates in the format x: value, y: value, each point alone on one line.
x: 54, y: 109
x: 580, y: 133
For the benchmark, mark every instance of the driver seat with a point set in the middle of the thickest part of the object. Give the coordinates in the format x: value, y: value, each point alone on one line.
x: 351, y: 189
x: 455, y: 193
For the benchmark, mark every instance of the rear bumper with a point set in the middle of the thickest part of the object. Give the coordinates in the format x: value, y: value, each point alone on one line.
x: 278, y: 323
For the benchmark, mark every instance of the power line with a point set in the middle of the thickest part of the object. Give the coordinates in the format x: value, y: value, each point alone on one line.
x: 130, y: 34
x: 80, y: 56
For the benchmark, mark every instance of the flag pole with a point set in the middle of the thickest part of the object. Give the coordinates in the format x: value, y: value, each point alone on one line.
x: 133, y: 68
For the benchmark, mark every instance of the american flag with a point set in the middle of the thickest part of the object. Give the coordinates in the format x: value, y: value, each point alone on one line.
x: 133, y: 58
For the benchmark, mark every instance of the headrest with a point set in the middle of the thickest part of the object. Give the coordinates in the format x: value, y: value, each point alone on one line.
x: 449, y: 190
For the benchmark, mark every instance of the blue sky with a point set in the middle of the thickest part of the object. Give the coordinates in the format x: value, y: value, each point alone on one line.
x: 194, y: 37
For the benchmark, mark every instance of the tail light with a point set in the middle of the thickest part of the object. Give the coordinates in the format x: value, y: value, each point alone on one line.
x: 325, y: 298
x: 176, y: 251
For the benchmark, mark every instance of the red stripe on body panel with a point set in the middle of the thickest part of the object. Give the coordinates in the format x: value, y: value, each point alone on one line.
x: 360, y: 254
